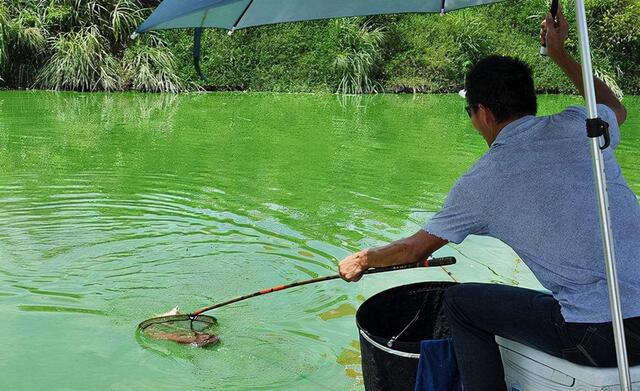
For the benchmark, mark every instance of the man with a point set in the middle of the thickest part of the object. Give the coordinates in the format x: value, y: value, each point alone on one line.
x: 534, y: 190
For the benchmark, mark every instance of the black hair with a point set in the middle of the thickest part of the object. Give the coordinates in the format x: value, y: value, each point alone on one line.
x: 502, y: 84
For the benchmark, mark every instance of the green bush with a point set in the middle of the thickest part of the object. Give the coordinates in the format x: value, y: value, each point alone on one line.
x: 5, y: 35
x: 416, y: 52
x: 359, y: 57
x: 81, y: 62
x: 81, y: 45
x: 151, y: 69
x: 615, y: 36
x: 289, y: 57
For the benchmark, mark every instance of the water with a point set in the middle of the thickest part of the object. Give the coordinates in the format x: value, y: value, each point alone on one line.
x: 117, y: 207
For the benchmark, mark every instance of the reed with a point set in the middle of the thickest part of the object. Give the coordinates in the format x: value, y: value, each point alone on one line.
x: 360, y: 54
x: 5, y: 31
x: 124, y: 18
x: 151, y: 69
x: 81, y: 45
x: 81, y: 62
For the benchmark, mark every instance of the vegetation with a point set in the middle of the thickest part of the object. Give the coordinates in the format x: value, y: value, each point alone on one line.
x: 359, y: 56
x: 84, y: 45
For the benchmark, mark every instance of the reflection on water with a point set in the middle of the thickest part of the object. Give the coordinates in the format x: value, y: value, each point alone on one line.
x: 125, y: 205
x: 349, y: 358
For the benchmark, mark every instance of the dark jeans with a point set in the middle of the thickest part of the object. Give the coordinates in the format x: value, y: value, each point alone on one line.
x: 478, y: 312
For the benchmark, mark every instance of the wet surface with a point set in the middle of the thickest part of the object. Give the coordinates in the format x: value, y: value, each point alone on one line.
x: 116, y: 207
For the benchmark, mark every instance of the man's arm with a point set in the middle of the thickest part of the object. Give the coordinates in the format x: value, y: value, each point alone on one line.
x: 412, y: 249
x: 555, y: 36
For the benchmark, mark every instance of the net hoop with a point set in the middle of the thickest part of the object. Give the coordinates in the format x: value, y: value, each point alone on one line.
x: 209, y: 320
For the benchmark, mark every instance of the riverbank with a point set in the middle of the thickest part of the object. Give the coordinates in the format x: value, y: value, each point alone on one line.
x: 413, y: 53
x: 51, y: 48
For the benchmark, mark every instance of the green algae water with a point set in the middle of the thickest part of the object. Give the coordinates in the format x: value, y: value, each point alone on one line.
x: 118, y: 207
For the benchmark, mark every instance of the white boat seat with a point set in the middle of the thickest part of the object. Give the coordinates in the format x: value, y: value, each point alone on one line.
x: 529, y: 369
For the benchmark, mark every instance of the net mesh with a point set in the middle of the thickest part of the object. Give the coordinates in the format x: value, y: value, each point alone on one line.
x: 185, y: 329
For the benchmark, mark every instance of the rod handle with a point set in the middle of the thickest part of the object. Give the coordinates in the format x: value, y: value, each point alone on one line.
x: 443, y: 261
x: 554, y: 14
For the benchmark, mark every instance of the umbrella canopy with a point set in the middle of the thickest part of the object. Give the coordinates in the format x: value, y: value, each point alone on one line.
x: 238, y: 14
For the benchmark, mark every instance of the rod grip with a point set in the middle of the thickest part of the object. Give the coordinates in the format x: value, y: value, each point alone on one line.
x: 443, y: 261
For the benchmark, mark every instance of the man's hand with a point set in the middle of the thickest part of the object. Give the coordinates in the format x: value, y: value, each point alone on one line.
x: 352, y: 267
x: 408, y: 250
x: 554, y: 34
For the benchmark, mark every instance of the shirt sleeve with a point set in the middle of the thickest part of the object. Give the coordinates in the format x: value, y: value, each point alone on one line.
x: 604, y: 112
x: 461, y: 214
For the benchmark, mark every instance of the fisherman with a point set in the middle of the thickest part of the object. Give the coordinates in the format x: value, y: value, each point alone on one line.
x: 534, y: 190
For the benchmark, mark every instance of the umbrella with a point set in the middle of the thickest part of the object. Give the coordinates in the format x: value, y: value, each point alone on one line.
x: 238, y: 14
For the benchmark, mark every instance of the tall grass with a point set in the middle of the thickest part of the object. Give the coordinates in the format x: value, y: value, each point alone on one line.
x: 360, y: 54
x: 5, y: 31
x: 80, y: 61
x: 23, y: 42
x: 80, y: 45
x: 31, y: 36
x: 124, y: 18
x: 151, y: 69
x: 351, y: 56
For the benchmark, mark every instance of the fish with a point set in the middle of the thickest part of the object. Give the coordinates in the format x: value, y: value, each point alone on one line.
x: 199, y: 340
x: 191, y: 337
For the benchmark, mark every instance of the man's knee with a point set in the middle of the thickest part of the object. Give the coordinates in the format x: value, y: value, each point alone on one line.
x: 455, y: 293
x: 460, y: 298
x: 450, y: 294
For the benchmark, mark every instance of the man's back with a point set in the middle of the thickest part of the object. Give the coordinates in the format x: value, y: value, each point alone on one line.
x: 534, y: 190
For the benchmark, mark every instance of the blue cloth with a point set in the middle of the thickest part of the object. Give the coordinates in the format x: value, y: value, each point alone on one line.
x: 534, y: 190
x: 437, y: 367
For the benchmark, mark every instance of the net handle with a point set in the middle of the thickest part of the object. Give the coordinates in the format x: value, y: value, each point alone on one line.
x: 443, y: 261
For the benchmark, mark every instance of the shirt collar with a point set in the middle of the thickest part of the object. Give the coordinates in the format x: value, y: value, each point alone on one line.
x: 510, y: 129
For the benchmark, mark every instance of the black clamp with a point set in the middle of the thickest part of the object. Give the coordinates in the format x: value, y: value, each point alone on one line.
x: 596, y: 127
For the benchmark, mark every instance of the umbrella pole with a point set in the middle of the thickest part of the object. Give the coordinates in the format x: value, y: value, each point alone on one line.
x: 603, y: 202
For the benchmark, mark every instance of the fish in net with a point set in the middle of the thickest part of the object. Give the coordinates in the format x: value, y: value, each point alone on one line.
x: 188, y: 329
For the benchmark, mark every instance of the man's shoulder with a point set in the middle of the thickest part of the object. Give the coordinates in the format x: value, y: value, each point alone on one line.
x: 480, y: 174
x: 579, y: 112
x: 572, y: 121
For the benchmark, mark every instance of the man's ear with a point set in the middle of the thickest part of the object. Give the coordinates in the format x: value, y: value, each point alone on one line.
x: 482, y: 116
x: 486, y: 117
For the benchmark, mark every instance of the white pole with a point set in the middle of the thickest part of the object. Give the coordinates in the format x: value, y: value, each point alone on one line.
x: 603, y: 202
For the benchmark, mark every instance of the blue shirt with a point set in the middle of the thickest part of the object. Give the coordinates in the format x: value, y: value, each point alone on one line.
x: 535, y: 191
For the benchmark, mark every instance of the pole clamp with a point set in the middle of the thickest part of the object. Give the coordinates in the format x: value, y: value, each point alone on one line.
x: 596, y: 127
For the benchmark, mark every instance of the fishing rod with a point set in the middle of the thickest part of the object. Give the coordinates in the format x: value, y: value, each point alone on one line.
x: 444, y: 261
x: 197, y: 329
x: 554, y: 15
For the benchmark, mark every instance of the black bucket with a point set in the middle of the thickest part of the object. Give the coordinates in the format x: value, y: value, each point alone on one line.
x: 385, y: 315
